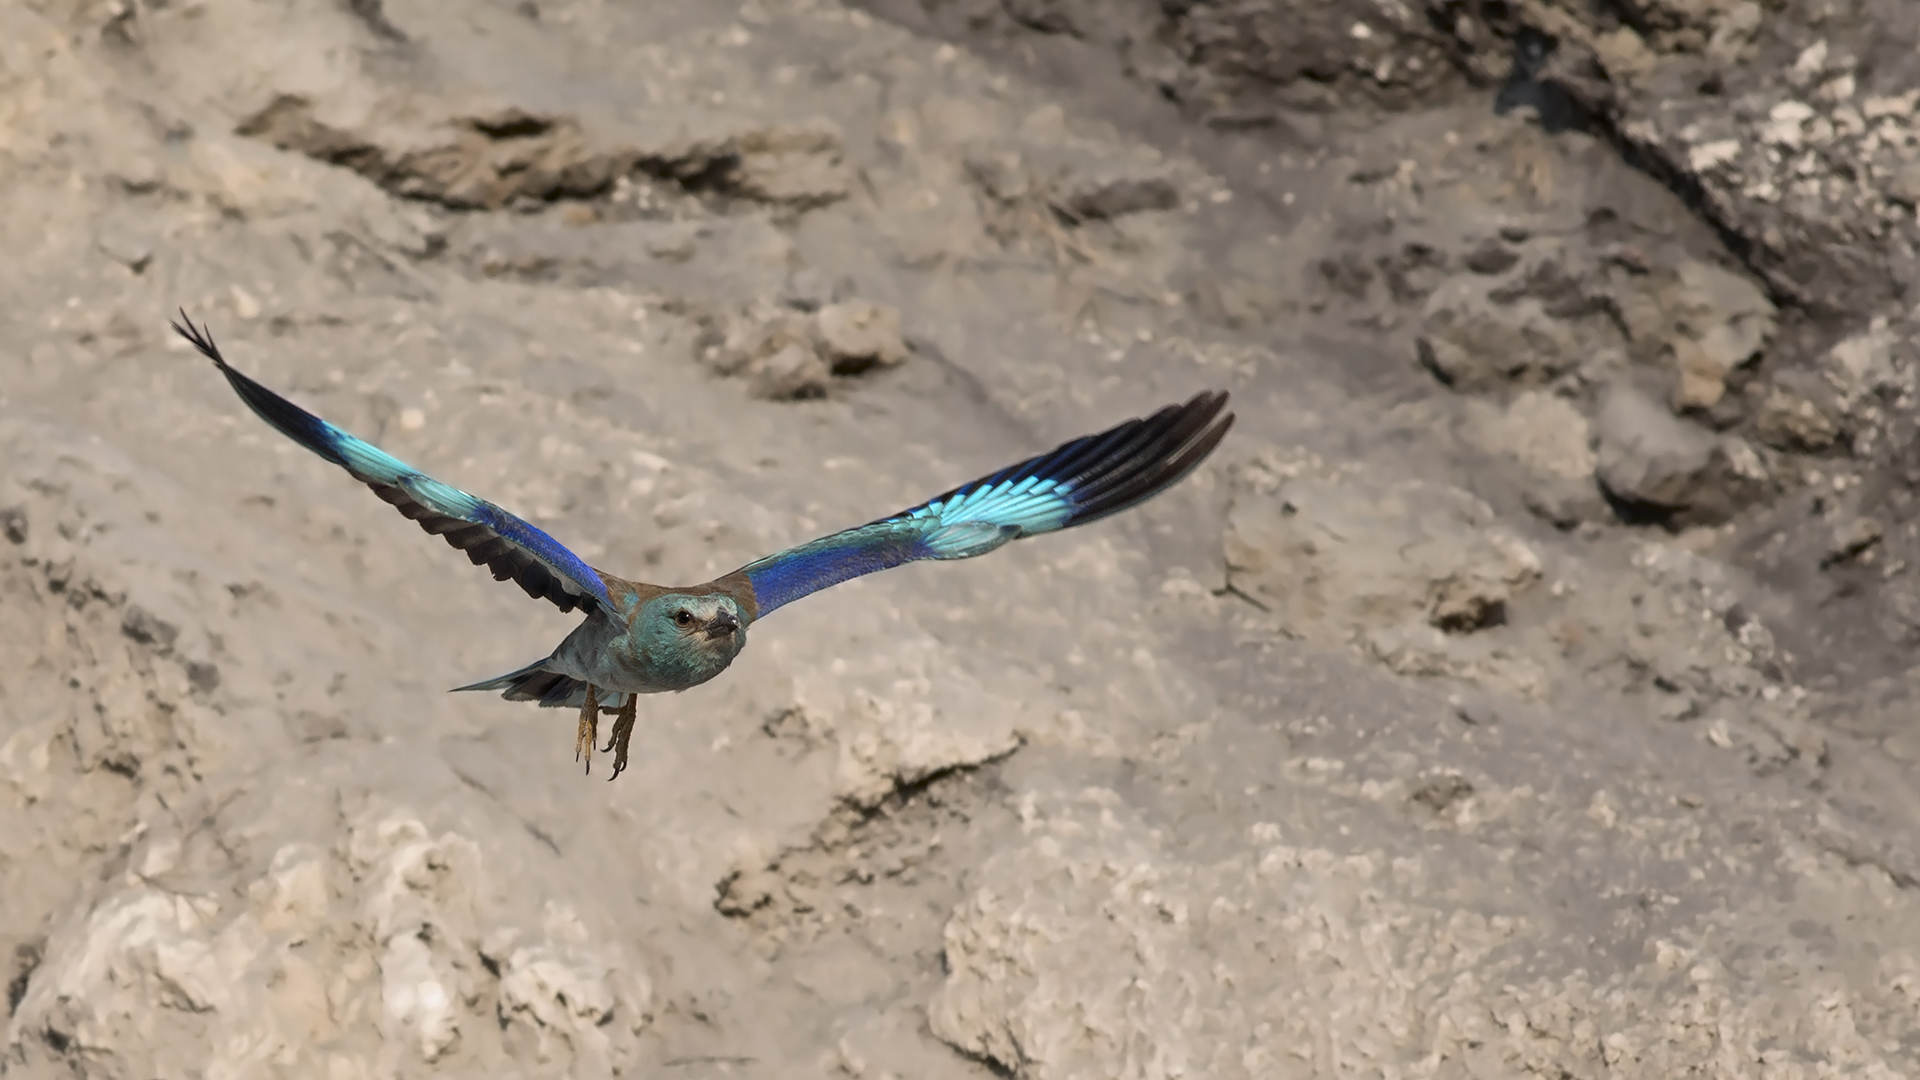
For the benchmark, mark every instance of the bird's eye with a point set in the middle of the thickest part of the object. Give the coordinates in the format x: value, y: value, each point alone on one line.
x: 683, y: 617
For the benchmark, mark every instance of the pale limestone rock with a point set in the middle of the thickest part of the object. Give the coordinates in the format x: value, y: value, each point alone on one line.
x: 1667, y: 468
x: 1335, y: 556
x: 1472, y: 342
x: 859, y: 334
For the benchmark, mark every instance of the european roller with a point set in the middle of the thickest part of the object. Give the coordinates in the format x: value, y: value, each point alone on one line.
x: 649, y: 639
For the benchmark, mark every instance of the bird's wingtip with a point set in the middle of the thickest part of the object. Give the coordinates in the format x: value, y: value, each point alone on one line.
x: 201, y: 336
x: 1216, y: 408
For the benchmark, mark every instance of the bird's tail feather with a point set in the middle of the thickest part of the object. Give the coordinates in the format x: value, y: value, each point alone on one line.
x: 550, y: 688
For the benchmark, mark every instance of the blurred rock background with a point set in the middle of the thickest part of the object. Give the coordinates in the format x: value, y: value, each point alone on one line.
x: 1525, y: 689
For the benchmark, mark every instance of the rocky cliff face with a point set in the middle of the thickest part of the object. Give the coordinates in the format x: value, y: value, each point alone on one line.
x: 1524, y: 689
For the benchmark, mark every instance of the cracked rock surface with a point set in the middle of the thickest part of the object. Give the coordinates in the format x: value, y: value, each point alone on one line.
x: 1525, y: 688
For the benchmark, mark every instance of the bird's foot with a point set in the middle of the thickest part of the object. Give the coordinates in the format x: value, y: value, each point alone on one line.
x: 622, y: 733
x: 588, y: 734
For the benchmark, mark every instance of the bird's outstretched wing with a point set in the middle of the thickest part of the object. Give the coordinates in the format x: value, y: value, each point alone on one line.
x: 490, y: 536
x: 1078, y: 482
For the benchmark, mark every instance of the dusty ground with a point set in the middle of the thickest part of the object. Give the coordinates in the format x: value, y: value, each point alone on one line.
x: 1524, y: 689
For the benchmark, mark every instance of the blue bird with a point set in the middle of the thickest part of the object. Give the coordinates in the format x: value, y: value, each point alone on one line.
x: 649, y: 639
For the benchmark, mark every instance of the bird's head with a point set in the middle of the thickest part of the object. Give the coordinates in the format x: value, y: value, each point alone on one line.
x: 689, y: 639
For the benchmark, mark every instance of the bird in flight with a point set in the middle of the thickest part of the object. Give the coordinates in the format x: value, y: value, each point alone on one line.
x: 648, y: 639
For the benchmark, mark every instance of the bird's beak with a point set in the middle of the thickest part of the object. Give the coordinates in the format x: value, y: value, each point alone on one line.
x: 723, y: 625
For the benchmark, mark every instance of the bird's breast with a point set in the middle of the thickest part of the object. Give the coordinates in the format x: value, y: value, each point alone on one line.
x: 628, y: 666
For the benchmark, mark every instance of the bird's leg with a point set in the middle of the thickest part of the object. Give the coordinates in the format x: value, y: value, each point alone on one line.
x: 622, y: 733
x: 588, y: 733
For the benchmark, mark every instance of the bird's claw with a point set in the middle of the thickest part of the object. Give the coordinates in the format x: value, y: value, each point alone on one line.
x: 622, y: 733
x: 587, y: 736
